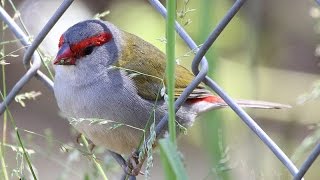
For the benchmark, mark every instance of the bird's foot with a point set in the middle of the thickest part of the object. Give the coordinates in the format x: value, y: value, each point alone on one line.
x: 133, y: 167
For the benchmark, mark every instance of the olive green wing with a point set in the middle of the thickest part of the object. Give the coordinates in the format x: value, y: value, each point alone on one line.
x: 146, y: 65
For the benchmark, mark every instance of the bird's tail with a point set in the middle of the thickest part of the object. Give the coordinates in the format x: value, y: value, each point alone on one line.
x: 214, y: 102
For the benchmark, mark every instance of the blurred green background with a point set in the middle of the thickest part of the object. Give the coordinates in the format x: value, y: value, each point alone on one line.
x: 267, y: 52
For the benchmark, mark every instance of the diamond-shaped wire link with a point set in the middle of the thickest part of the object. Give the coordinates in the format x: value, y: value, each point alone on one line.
x: 33, y: 71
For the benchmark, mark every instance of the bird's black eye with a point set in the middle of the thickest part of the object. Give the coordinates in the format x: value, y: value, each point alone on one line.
x: 88, y: 50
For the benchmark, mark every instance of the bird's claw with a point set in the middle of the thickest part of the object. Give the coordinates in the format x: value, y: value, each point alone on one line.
x: 133, y: 165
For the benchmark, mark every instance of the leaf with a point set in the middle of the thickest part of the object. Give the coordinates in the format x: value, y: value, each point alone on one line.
x: 171, y: 162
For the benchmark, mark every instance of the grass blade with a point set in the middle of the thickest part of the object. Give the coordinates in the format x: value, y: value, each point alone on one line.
x: 171, y: 161
x: 171, y: 63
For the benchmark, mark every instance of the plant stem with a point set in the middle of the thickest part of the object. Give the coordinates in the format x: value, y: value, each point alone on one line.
x: 3, y: 164
x: 104, y: 176
x: 213, y: 126
x: 171, y: 63
x: 20, y: 140
x: 4, y: 89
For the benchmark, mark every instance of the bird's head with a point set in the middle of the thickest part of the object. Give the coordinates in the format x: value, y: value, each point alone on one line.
x: 91, y: 41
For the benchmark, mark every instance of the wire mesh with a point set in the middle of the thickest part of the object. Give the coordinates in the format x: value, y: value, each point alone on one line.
x: 199, y: 67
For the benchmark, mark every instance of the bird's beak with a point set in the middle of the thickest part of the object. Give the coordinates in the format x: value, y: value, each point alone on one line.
x: 64, y: 56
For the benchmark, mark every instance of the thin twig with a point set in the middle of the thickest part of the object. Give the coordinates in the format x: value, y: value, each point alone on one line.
x: 20, y: 140
x: 94, y: 159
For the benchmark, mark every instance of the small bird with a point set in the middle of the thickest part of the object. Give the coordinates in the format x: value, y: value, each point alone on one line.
x: 110, y: 83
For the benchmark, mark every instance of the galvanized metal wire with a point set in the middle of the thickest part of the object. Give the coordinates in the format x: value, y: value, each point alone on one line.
x: 199, y: 68
x: 34, y: 69
x: 308, y: 162
x: 204, y: 65
x: 45, y: 30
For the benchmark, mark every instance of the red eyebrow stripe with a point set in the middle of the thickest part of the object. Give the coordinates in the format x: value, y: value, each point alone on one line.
x: 61, y: 41
x: 96, y: 40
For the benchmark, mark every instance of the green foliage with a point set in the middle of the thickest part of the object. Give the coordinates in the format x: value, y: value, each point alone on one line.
x: 307, y: 144
x: 312, y: 95
x: 171, y: 160
x: 98, y: 166
x: 171, y: 63
x: 312, y: 139
x: 182, y: 13
x: 20, y: 142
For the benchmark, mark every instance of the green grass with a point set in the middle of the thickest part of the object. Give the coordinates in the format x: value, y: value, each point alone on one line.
x: 170, y: 158
x: 171, y: 63
x: 98, y: 166
x: 169, y: 149
x: 21, y: 144
x: 212, y: 125
x: 171, y: 161
x: 5, y: 117
x: 7, y: 113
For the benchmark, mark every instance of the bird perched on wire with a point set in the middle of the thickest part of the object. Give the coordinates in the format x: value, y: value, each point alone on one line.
x: 106, y: 77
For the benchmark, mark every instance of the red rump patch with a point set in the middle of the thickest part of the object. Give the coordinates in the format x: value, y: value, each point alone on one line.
x: 96, y: 40
x: 210, y: 99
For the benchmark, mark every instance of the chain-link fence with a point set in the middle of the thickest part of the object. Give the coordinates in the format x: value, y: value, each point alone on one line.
x: 199, y: 68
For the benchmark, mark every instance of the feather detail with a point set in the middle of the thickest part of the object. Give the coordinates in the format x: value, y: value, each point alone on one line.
x: 261, y: 104
x: 209, y: 99
x: 214, y: 102
x: 148, y: 64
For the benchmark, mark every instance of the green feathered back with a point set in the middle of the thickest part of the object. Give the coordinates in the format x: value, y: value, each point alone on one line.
x: 146, y: 65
